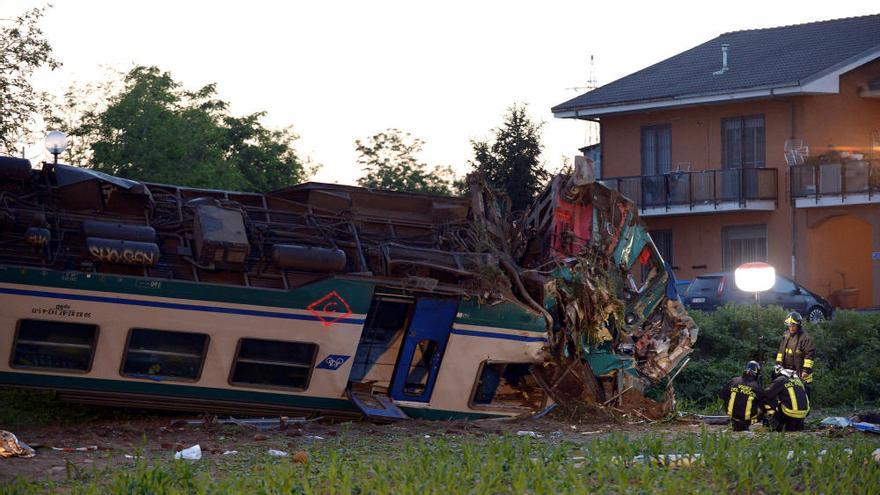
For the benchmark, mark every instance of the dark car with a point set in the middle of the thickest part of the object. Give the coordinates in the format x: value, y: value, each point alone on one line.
x: 708, y: 292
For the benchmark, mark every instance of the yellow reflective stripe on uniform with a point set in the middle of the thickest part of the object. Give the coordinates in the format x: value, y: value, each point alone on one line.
x: 779, y: 357
x: 749, y: 408
x: 808, y: 378
x: 793, y: 397
x: 730, y: 403
x: 795, y: 412
x: 808, y: 363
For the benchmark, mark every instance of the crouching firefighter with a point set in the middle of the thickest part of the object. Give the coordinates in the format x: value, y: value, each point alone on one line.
x: 744, y: 397
x: 787, y: 402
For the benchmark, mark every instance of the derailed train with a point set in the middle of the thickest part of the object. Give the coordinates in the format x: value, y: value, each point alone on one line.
x: 328, y: 298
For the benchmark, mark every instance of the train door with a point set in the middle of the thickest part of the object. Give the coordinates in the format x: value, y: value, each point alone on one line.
x: 377, y: 353
x: 423, y: 348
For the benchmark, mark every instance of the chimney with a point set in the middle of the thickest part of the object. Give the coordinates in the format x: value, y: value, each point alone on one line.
x: 724, y: 67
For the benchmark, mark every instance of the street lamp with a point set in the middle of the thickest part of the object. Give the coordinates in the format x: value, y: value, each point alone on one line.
x: 755, y: 277
x: 56, y: 143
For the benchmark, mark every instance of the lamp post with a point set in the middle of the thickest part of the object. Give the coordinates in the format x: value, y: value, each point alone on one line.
x: 56, y: 143
x: 755, y: 277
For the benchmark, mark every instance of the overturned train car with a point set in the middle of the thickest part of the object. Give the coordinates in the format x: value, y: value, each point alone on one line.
x: 329, y: 298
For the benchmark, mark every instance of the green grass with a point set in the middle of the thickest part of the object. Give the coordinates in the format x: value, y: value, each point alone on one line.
x: 729, y: 463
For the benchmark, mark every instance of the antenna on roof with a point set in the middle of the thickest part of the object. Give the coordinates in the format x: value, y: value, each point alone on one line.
x: 591, y: 135
x: 724, y: 67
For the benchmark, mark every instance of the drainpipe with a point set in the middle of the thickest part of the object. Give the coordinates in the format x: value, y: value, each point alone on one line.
x: 791, y: 200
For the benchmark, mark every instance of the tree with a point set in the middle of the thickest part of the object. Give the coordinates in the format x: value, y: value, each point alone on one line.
x: 389, y: 162
x: 154, y: 130
x: 511, y: 162
x: 23, y: 49
x: 66, y: 114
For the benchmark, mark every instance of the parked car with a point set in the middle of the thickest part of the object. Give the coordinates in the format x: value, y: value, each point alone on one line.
x: 708, y: 292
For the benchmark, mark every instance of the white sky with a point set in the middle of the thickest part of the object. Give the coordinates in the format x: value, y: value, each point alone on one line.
x: 444, y: 71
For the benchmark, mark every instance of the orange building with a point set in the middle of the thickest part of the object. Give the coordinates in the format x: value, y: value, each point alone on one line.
x: 759, y: 145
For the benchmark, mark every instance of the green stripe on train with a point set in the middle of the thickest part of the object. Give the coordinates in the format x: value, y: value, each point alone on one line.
x: 167, y: 389
x: 357, y: 294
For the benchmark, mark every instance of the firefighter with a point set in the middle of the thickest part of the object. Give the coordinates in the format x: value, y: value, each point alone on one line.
x: 796, y: 351
x: 744, y: 397
x: 786, y: 401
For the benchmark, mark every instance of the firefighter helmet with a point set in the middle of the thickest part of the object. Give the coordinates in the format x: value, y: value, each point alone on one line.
x: 752, y: 368
x: 794, y: 318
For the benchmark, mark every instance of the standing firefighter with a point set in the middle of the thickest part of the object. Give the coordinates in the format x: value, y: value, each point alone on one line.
x: 744, y: 397
x: 796, y: 351
x: 787, y: 403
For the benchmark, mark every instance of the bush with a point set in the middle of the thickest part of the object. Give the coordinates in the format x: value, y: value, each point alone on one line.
x: 847, y: 370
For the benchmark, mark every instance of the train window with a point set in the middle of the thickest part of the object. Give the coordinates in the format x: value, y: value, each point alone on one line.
x: 273, y: 363
x: 420, y: 368
x: 56, y: 345
x: 507, y: 385
x: 164, y: 355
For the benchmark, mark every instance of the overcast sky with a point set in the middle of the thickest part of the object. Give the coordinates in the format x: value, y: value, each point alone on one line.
x: 444, y: 71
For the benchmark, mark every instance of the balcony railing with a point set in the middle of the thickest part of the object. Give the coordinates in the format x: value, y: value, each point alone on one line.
x: 700, y: 192
x: 853, y: 182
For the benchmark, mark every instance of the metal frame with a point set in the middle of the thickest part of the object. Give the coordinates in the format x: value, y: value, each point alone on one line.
x: 871, y: 189
x: 763, y: 174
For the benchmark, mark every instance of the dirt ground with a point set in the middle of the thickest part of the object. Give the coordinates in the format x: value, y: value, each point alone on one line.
x: 157, y: 437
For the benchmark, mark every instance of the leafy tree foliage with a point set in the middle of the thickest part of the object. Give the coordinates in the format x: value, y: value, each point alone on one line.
x: 511, y: 161
x: 155, y: 130
x: 389, y: 162
x: 66, y: 114
x: 23, y: 49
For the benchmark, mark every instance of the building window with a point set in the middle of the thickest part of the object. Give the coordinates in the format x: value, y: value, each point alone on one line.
x: 656, y: 149
x: 663, y: 240
x: 507, y: 386
x: 742, y: 142
x: 55, y: 345
x: 742, y: 244
x: 164, y: 355
x: 273, y: 363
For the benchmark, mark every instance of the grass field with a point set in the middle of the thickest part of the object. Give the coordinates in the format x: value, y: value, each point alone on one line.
x: 399, y: 460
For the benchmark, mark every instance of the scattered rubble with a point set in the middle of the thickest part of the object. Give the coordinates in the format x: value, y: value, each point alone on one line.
x: 193, y: 453
x: 11, y: 446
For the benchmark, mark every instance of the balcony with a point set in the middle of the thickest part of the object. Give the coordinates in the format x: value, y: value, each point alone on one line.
x: 835, y: 184
x: 705, y: 191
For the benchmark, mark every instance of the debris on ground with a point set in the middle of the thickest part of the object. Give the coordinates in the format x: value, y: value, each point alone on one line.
x: 713, y: 420
x: 524, y: 433
x: 11, y: 446
x: 76, y: 449
x: 301, y: 457
x: 263, y: 424
x: 840, y: 422
x: 193, y: 453
x: 278, y: 453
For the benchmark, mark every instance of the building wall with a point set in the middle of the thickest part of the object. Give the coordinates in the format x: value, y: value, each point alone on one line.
x: 833, y: 240
x: 840, y: 247
x: 842, y: 122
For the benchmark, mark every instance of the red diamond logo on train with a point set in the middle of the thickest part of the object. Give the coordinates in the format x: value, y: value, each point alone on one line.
x: 330, y: 309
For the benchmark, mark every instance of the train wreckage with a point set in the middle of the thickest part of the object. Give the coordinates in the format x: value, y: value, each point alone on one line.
x: 330, y: 298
